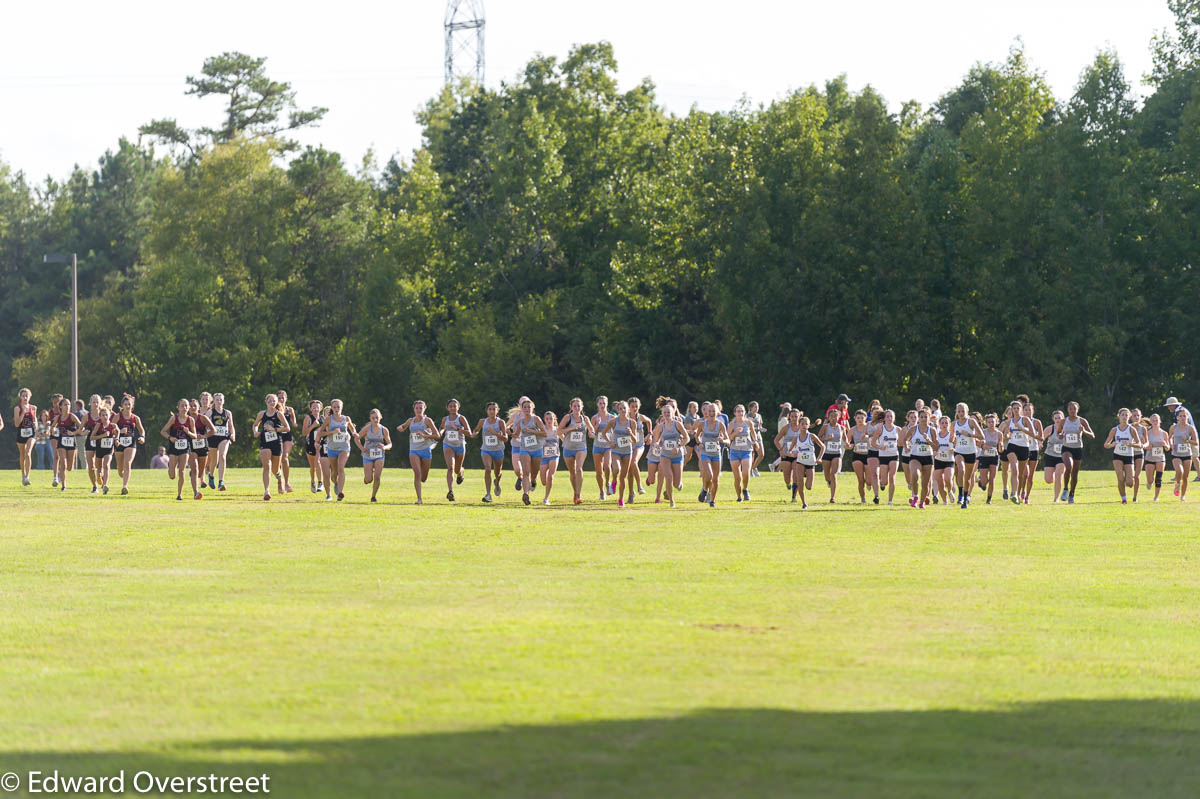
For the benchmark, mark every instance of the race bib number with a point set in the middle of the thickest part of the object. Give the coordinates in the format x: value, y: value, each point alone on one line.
x: 1054, y: 449
x: 222, y: 430
x: 529, y: 442
x: 181, y: 444
x: 453, y: 437
x: 270, y: 435
x: 1124, y: 448
x: 418, y: 441
x: 965, y: 442
x: 741, y: 442
x: 1072, y: 439
x: 1182, y: 449
x: 656, y: 451
x: 833, y: 447
x: 491, y: 442
x: 67, y: 443
x: 945, y: 454
x: 712, y: 447
x: 375, y: 453
x: 807, y: 457
x: 921, y: 449
x: 991, y: 452
x: 199, y: 443
x: 550, y: 450
x: 624, y: 442
x: 26, y: 432
x: 125, y: 441
x: 576, y: 437
x: 340, y: 438
x: 861, y: 447
x: 670, y: 445
x: 1156, y: 452
x: 106, y: 442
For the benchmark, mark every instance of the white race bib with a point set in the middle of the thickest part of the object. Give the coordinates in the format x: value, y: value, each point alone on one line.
x: 670, y: 444
x: 741, y: 442
x: 861, y: 447
x: 1124, y: 448
x: 624, y: 442
x: 453, y: 437
x: 1182, y: 449
x: 807, y: 457
x: 712, y: 447
x: 340, y: 438
x: 491, y: 442
x: 199, y: 443
x: 375, y: 453
x: 1054, y: 448
x: 990, y: 452
x: 125, y: 441
x: 965, y: 442
x: 833, y: 446
x: 550, y: 450
x: 576, y: 437
x: 418, y: 441
x: 1072, y: 439
x: 105, y: 443
x: 221, y: 430
x: 1156, y: 452
x: 529, y: 442
x: 26, y: 432
x: 921, y: 449
x: 270, y: 435
x: 181, y: 444
x: 67, y: 443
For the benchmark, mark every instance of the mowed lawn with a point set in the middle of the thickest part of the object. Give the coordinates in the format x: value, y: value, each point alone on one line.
x: 353, y: 650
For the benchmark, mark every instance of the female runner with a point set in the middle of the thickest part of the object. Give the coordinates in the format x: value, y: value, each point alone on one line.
x: 130, y: 436
x: 1055, y: 471
x: 200, y: 448
x: 527, y: 434
x: 711, y: 434
x: 968, y: 436
x: 1120, y: 441
x: 1139, y: 448
x: 455, y: 430
x: 550, y: 452
x: 943, y: 461
x: 834, y: 441
x: 373, y: 442
x: 642, y: 427
x: 1034, y: 439
x: 784, y: 444
x: 922, y: 439
x: 576, y: 429
x: 669, y: 436
x: 89, y: 420
x: 874, y: 466
x: 25, y: 418
x: 807, y: 449
x: 989, y: 461
x: 179, y: 432
x: 1157, y: 444
x: 268, y: 424
x: 1183, y: 441
x: 885, y: 441
x: 494, y: 433
x: 336, y: 432
x: 1074, y: 428
x: 68, y: 425
x: 742, y: 437
x: 859, y: 440
x: 689, y: 421
x: 620, y: 432
x: 104, y: 437
x: 910, y: 421
x: 756, y: 418
x: 223, y: 436
x: 422, y: 432
x: 602, y: 457
x: 1016, y: 453
x: 286, y: 443
x: 314, y: 450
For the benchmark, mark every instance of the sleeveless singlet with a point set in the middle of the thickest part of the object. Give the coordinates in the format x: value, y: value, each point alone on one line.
x: 1123, y: 442
x: 373, y: 443
x: 1054, y: 443
x: 417, y: 441
x: 887, y: 441
x: 669, y: 441
x: 964, y: 437
x: 622, y: 437
x: 1180, y: 442
x: 1156, y: 445
x: 860, y: 440
x: 742, y: 436
x: 832, y: 436
x: 453, y: 429
x: 710, y: 440
x: 945, y: 448
x: 804, y: 450
x: 576, y: 437
x: 491, y: 436
x: 991, y: 443
x: 922, y: 442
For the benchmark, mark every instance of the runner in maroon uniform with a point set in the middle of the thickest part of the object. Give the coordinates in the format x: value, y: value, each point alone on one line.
x: 179, y: 432
x: 104, y: 438
x: 89, y: 420
x: 67, y: 425
x: 130, y: 435
x: 199, y: 457
x: 25, y: 420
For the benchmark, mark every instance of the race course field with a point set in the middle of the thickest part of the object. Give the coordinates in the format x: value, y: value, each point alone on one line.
x: 357, y: 650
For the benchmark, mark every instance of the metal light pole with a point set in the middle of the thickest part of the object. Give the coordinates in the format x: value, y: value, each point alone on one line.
x: 60, y: 258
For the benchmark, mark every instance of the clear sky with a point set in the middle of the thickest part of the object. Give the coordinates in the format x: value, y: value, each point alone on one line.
x: 75, y: 76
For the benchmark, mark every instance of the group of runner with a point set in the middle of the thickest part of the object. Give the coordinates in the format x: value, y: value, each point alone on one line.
x: 939, y: 456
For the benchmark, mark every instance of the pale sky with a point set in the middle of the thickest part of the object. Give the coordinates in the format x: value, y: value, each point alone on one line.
x: 75, y: 76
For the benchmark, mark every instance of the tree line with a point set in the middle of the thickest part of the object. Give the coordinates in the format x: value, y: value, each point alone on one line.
x: 557, y: 236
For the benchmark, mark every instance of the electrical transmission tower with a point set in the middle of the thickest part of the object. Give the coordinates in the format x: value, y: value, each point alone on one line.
x: 464, y: 40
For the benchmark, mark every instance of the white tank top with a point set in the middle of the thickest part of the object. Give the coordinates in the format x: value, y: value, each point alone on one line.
x: 964, y: 437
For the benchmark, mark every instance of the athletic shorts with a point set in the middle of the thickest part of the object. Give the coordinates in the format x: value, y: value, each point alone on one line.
x: 460, y: 450
x: 89, y: 445
x: 103, y: 452
x: 622, y: 454
x: 904, y: 459
x: 873, y: 453
x: 309, y: 449
x: 924, y: 460
x: 285, y: 436
x: 740, y: 455
x: 1126, y: 460
x: 274, y: 447
x: 787, y: 459
x: 988, y: 461
x: 178, y: 453
x: 677, y: 460
x: 836, y: 456
x: 968, y: 457
x: 1052, y: 461
x: 423, y: 454
x: 942, y: 464
x: 598, y: 449
x: 858, y: 457
x: 1033, y: 455
x: 1139, y: 455
x: 571, y: 453
x: 494, y: 454
x: 1022, y: 453
x: 200, y: 453
x: 1074, y: 452
x: 213, y: 441
x: 884, y: 460
x: 710, y: 458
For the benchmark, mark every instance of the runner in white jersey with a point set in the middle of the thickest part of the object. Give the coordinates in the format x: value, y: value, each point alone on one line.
x: 859, y: 437
x: 602, y: 455
x: 968, y: 437
x: 1120, y: 441
x: 989, y: 460
x: 1016, y: 452
x: 910, y: 475
x: 806, y: 450
x: 1033, y: 438
x: 1183, y: 444
x: 886, y: 442
x: 1055, y: 469
x: 921, y: 440
x: 783, y: 444
x: 1139, y: 448
x: 833, y: 436
x: 1075, y: 429
x: 576, y: 428
x: 943, y: 461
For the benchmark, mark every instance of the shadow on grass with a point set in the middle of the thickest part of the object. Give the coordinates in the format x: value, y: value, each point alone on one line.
x: 1054, y: 749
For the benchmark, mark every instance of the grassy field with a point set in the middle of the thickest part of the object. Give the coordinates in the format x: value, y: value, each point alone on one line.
x: 349, y: 649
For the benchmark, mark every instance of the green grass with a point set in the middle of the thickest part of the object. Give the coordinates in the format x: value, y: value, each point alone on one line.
x: 349, y: 649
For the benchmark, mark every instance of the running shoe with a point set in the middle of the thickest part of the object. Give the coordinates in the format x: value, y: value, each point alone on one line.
x: 620, y: 503
x: 876, y: 500
x: 450, y: 495
x: 773, y: 467
x: 373, y: 499
x: 545, y: 502
x: 179, y: 498
x: 672, y: 503
x: 703, y: 496
x: 497, y: 486
x: 739, y: 499
x: 912, y: 502
x: 221, y: 486
x: 458, y: 479
x: 1071, y: 500
x: 487, y: 497
x: 63, y: 487
x: 198, y: 495
x: 1015, y: 499
x: 1124, y: 501
x: 95, y: 489
x: 935, y: 499
x: 54, y: 484
x: 341, y: 496
x: 889, y: 502
x: 312, y: 487
x: 1064, y: 495
x: 640, y: 490
x: 328, y: 498
x: 517, y: 485
x: 578, y: 501
x: 533, y: 484
x: 712, y: 503
x: 613, y: 488
x: 745, y: 494
x: 804, y: 506
x: 602, y: 495
x: 525, y: 498
x: 1177, y: 489
x: 106, y: 491
x: 124, y: 491
x: 212, y: 482
x: 1005, y: 496
x: 320, y: 486
x: 794, y: 498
